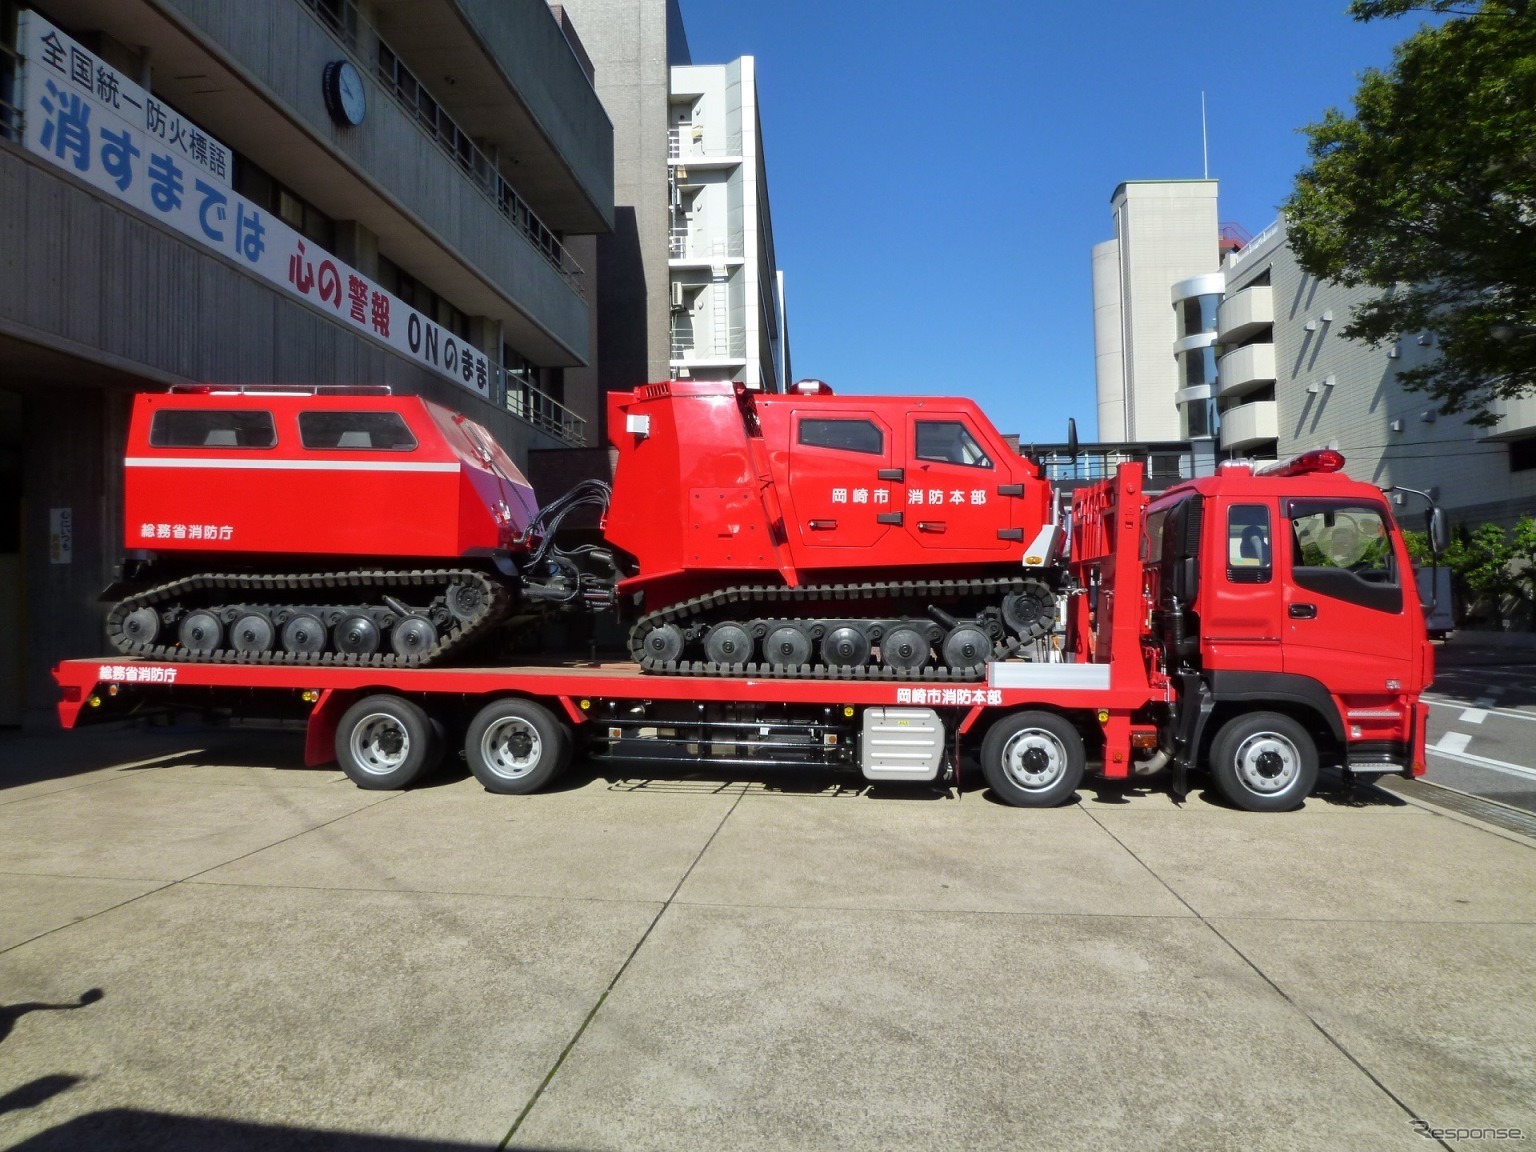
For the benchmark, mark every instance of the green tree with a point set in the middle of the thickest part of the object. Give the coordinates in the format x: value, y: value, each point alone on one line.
x: 1429, y: 193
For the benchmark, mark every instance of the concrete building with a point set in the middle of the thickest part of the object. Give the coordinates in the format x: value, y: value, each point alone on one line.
x: 289, y: 191
x: 727, y: 295
x: 1166, y: 232
x: 634, y: 44
x: 1289, y: 382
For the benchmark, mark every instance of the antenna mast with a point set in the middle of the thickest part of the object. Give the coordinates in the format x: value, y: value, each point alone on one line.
x: 1205, y: 150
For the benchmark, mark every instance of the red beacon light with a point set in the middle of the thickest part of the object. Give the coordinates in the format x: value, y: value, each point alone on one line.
x: 1318, y: 460
x: 811, y: 388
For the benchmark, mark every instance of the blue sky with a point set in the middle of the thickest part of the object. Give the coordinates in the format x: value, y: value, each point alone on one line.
x: 939, y: 173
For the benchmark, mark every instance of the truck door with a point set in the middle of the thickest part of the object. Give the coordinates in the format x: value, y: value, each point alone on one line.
x: 842, y: 479
x: 1346, y: 610
x: 949, y: 499
x: 1241, y: 609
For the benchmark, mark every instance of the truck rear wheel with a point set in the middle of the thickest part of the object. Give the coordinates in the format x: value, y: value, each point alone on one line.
x: 515, y: 746
x: 385, y: 742
x: 1033, y: 759
x: 1264, y: 762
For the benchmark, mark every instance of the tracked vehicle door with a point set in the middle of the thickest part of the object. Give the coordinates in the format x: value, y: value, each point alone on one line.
x: 843, y: 480
x: 950, y: 500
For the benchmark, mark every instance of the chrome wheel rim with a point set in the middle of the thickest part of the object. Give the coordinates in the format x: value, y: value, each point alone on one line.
x: 380, y: 744
x: 1267, y: 763
x: 1034, y: 759
x: 511, y: 748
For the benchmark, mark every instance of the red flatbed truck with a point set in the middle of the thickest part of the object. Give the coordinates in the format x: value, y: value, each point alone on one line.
x: 1258, y: 624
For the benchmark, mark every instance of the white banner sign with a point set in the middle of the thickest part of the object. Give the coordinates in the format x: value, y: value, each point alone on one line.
x: 61, y: 536
x: 87, y: 118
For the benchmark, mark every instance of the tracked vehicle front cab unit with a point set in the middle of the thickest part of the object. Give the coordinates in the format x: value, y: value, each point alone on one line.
x: 896, y: 535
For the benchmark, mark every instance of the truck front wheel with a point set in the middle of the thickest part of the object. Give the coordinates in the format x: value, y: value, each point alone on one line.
x: 515, y: 746
x: 385, y: 742
x: 1033, y: 759
x: 1264, y: 762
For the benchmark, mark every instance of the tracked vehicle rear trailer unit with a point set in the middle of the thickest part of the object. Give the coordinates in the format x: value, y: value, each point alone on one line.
x: 318, y: 526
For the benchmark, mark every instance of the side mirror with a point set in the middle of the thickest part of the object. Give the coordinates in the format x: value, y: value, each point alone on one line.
x: 1439, y: 531
x: 1072, y: 439
x: 1186, y: 579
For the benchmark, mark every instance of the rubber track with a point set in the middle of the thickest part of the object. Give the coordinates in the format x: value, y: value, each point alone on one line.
x: 996, y: 587
x: 300, y: 588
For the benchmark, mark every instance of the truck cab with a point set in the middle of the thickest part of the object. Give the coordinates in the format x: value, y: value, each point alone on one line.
x: 1288, y: 585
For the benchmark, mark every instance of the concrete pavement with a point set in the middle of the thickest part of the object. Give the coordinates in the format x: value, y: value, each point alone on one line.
x: 271, y: 958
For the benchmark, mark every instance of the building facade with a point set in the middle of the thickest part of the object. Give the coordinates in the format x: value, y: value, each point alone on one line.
x: 634, y: 44
x: 1289, y: 382
x: 1166, y: 232
x: 727, y: 294
x: 280, y: 191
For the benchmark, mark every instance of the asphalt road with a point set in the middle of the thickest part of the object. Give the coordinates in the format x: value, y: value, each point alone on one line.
x: 1482, y: 731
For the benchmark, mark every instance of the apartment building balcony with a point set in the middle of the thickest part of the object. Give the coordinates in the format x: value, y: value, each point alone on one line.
x: 693, y: 147
x: 1245, y: 314
x: 1247, y: 368
x: 1250, y: 424
x: 1517, y: 419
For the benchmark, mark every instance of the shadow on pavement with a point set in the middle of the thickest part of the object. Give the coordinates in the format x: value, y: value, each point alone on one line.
x: 10, y: 1013
x: 132, y: 1130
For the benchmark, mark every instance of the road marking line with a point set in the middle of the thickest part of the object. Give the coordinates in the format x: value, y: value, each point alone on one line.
x: 1444, y: 702
x: 1453, y: 743
x: 1485, y: 762
x: 1474, y: 716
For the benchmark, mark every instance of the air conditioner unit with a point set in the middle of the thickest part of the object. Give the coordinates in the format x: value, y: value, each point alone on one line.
x: 678, y: 303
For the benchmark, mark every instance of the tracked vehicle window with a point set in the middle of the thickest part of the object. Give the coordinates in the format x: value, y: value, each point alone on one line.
x: 379, y: 431
x: 950, y: 442
x: 201, y: 428
x: 845, y: 435
x: 1345, y: 551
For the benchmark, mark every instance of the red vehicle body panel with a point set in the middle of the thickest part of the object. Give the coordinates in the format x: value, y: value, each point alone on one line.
x: 454, y: 493
x: 717, y: 486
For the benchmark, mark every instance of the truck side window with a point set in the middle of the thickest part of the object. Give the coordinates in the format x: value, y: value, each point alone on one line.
x: 186, y: 428
x: 381, y: 431
x: 1248, y: 545
x: 844, y: 435
x: 949, y: 442
x: 1344, y: 550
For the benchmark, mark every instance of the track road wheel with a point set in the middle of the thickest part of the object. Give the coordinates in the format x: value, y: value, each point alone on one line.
x: 1033, y: 759
x: 1264, y: 762
x: 515, y: 746
x: 385, y: 742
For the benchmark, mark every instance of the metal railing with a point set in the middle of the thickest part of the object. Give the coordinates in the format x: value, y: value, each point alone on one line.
x: 346, y: 23
x: 1253, y: 245
x: 686, y: 346
x: 541, y: 410
x: 684, y: 144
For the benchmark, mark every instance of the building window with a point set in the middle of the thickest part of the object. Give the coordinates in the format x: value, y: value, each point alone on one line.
x: 260, y: 187
x: 1199, y: 366
x: 1197, y: 419
x: 10, y: 113
x: 1522, y: 455
x: 1196, y: 314
x: 417, y: 295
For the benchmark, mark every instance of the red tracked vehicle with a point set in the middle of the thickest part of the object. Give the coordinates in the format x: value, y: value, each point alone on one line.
x: 812, y: 534
x: 798, y: 535
x: 341, y: 525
